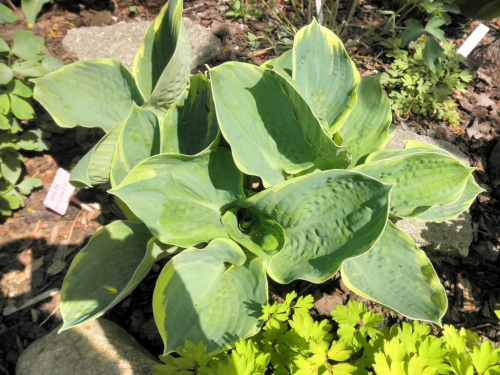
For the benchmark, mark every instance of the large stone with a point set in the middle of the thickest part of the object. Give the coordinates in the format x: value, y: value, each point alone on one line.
x: 449, y: 238
x: 98, y: 347
x: 122, y: 41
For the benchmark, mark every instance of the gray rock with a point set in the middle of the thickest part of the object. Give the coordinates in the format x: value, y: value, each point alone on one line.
x: 449, y: 238
x: 98, y: 347
x: 122, y: 41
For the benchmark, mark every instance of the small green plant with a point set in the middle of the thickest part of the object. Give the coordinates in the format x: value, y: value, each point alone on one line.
x: 291, y: 342
x: 25, y: 60
x: 246, y: 10
x: 30, y: 9
x: 414, y: 88
x: 251, y: 173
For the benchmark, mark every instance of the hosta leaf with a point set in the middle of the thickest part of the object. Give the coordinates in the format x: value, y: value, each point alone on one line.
x: 162, y: 65
x: 442, y: 212
x: 397, y: 274
x: 211, y: 295
x: 21, y: 108
x: 95, y: 93
x: 105, y: 271
x: 182, y: 198
x: 28, y: 46
x: 271, y: 129
x: 327, y: 217
x: 138, y: 139
x: 190, y: 125
x: 325, y: 74
x: 284, y: 61
x: 368, y: 127
x: 95, y: 166
x: 422, y: 180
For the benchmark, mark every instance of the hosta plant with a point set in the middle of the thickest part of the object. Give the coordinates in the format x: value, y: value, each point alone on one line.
x: 252, y: 172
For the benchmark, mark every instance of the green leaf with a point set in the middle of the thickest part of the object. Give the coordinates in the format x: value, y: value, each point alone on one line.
x: 433, y: 27
x: 28, y: 185
x: 182, y: 198
x: 21, y: 108
x: 138, y: 139
x: 422, y: 180
x: 433, y: 52
x: 94, y: 93
x: 28, y: 46
x: 162, y: 65
x: 271, y: 129
x: 325, y: 74
x: 10, y: 201
x: 284, y: 61
x: 105, y: 271
x: 6, y: 74
x: 190, y: 125
x: 368, y: 127
x: 327, y: 217
x: 413, y: 32
x: 17, y: 87
x: 4, y: 104
x: 213, y: 295
x: 95, y: 166
x: 10, y: 167
x: 34, y: 140
x: 480, y: 9
x: 30, y: 68
x: 7, y: 15
x: 4, y: 123
x: 51, y: 63
x: 31, y: 8
x: 395, y: 273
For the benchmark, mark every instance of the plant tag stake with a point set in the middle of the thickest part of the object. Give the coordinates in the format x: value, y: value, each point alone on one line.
x: 472, y: 41
x: 59, y: 193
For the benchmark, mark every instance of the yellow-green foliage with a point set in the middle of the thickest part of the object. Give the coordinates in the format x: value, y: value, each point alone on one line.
x: 292, y: 342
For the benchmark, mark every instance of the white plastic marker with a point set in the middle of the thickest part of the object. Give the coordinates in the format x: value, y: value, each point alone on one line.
x: 473, y: 40
x: 61, y: 193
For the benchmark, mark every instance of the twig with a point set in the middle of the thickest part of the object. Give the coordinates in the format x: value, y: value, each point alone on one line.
x: 32, y: 301
x: 9, y: 3
x: 50, y: 316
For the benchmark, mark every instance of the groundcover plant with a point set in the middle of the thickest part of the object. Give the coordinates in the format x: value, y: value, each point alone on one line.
x: 246, y: 173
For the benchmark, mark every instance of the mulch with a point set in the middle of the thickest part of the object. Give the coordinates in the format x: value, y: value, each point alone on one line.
x: 37, y: 245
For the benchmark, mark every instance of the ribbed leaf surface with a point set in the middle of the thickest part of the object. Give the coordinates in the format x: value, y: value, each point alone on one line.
x: 327, y: 217
x: 397, y: 274
x: 213, y: 295
x: 181, y: 198
x: 95, y: 94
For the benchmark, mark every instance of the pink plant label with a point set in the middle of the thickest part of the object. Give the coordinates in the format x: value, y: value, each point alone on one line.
x: 59, y: 193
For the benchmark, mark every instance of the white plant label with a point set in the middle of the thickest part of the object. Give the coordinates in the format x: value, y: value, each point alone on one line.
x: 473, y: 40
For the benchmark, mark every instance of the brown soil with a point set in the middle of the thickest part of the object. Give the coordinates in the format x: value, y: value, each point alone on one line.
x: 37, y: 245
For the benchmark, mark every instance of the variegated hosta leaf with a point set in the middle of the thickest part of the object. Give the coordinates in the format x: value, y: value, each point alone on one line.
x: 211, y: 295
x: 284, y: 61
x: 181, y: 198
x: 397, y: 274
x: 162, y: 64
x: 190, y: 125
x: 272, y: 132
x: 94, y: 168
x: 327, y: 217
x: 439, y: 212
x: 422, y: 180
x: 368, y: 127
x: 106, y: 270
x: 95, y: 94
x: 325, y: 74
x: 138, y: 139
